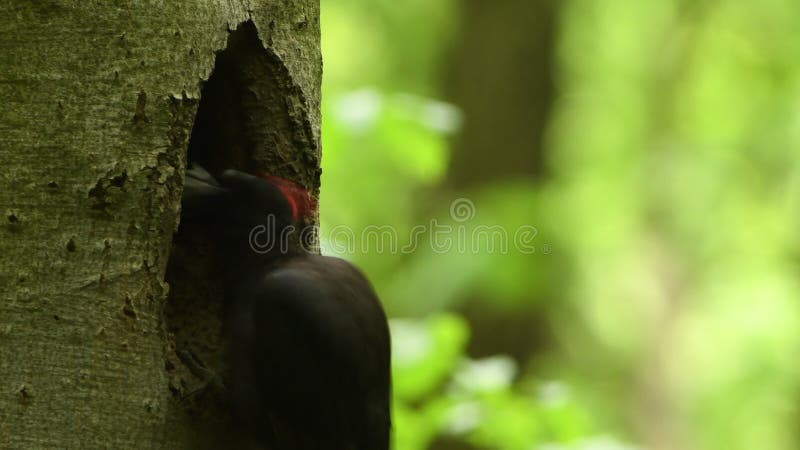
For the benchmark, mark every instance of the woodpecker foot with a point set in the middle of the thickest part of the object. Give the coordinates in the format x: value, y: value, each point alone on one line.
x: 211, y: 382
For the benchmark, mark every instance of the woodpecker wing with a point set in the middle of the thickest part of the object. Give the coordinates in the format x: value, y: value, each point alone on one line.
x: 319, y: 357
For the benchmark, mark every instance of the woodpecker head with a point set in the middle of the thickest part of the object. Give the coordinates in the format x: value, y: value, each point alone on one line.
x: 300, y: 204
x: 239, y: 203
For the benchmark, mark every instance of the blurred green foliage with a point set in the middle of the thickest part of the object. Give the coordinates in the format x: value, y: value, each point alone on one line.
x: 666, y: 262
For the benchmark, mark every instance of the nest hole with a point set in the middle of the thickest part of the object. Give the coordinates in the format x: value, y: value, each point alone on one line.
x: 230, y: 130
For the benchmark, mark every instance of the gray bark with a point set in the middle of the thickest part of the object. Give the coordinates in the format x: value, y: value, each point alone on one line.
x: 98, y: 102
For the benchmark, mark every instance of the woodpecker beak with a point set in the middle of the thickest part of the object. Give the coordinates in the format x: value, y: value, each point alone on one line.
x: 200, y: 183
x: 200, y: 190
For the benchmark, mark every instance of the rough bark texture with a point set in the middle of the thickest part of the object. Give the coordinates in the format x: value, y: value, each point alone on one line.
x: 98, y: 104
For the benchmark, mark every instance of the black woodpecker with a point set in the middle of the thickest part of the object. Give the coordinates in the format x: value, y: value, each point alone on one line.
x: 308, y: 345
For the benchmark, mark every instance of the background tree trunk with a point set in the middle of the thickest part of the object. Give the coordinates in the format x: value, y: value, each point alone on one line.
x: 98, y: 106
x: 501, y: 77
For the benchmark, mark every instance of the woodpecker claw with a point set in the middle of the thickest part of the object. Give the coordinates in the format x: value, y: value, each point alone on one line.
x: 210, y: 380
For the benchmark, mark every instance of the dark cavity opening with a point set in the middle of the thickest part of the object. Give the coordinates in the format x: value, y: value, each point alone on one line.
x: 242, y: 123
x: 251, y: 115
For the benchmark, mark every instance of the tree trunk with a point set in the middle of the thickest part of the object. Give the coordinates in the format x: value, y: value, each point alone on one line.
x: 501, y: 78
x: 99, y: 101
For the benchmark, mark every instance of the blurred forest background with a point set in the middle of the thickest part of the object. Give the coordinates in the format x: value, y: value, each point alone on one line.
x: 653, y: 145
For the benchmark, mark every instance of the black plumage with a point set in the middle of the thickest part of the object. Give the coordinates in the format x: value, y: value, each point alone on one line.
x: 308, y: 344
